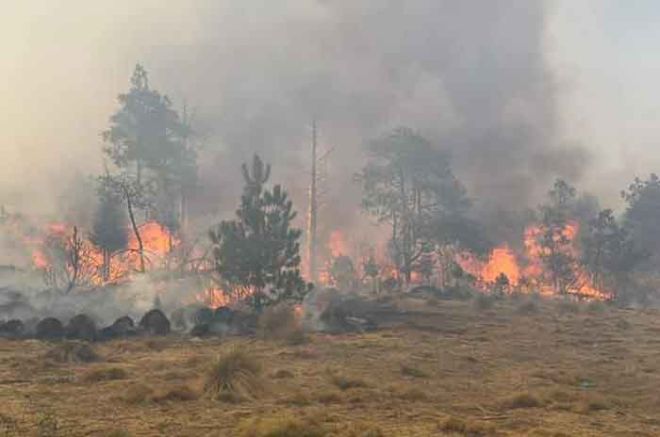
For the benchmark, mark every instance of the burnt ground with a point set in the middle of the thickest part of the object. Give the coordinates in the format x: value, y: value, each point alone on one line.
x: 437, y: 368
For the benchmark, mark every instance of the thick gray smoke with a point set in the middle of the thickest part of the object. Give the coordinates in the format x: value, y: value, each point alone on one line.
x: 471, y: 75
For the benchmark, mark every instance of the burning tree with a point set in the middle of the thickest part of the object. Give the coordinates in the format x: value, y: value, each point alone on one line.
x: 68, y: 260
x: 342, y: 273
x: 109, y: 232
x: 408, y: 184
x: 148, y: 141
x: 554, y: 237
x: 259, y: 250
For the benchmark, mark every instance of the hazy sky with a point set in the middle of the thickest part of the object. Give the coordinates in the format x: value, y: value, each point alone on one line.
x: 604, y: 53
x: 64, y: 61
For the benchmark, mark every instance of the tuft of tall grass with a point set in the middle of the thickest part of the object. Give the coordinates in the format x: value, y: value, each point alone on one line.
x: 236, y: 374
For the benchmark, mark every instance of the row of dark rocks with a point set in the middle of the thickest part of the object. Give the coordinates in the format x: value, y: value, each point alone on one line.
x: 83, y: 327
x: 198, y: 322
x: 341, y: 313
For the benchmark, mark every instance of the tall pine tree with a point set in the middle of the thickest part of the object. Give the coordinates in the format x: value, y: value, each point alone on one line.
x: 259, y: 250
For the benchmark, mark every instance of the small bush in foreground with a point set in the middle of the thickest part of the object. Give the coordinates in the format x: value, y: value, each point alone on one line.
x: 234, y: 375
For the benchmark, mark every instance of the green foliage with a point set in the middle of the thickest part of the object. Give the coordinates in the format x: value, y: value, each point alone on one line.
x: 609, y: 253
x: 642, y: 216
x: 149, y: 140
x: 409, y: 184
x: 110, y: 224
x: 259, y: 250
x: 109, y: 232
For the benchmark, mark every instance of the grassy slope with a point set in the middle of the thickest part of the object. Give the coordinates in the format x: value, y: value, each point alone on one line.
x: 561, y: 370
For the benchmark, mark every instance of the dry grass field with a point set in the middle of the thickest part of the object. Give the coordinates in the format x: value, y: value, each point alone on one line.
x: 515, y: 367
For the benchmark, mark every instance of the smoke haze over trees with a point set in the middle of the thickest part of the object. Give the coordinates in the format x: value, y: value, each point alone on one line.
x: 471, y: 76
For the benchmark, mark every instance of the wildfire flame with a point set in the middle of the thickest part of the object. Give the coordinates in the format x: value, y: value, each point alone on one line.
x: 503, y: 261
x: 157, y: 242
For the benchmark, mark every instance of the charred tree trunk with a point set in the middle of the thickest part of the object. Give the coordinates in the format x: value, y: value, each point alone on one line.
x: 136, y: 231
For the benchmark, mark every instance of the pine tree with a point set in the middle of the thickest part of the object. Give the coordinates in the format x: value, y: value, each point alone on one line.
x: 109, y: 231
x: 259, y: 250
x: 148, y: 141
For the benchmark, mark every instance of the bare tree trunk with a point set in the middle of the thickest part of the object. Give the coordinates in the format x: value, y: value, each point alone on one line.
x: 131, y: 216
x: 74, y: 259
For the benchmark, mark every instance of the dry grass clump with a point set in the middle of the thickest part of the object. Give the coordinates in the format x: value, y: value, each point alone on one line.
x: 593, y: 405
x: 105, y: 374
x: 281, y: 323
x: 413, y: 394
x: 137, y: 394
x: 72, y: 352
x: 286, y: 426
x: 156, y: 345
x: 47, y: 425
x: 329, y: 397
x: 454, y: 425
x: 297, y: 398
x: 345, y: 382
x: 407, y: 370
x: 236, y: 374
x: 282, y: 374
x: 522, y: 400
x: 8, y: 425
x: 177, y: 393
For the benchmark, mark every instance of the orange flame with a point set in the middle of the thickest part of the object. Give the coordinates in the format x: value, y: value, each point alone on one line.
x: 503, y: 260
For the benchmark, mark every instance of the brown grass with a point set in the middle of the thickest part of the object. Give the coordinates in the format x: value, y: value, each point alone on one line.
x: 287, y: 426
x: 586, y: 374
x: 344, y: 382
x: 137, y: 394
x: 408, y: 370
x: 72, y: 352
x: 522, y: 400
x: 105, y: 374
x: 177, y: 393
x: 454, y: 425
